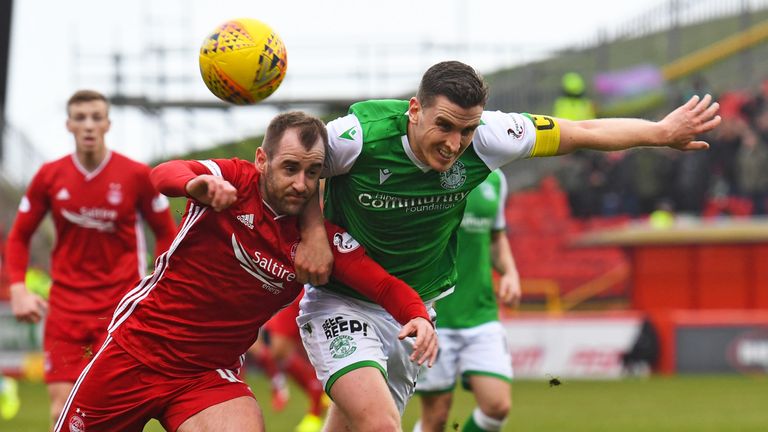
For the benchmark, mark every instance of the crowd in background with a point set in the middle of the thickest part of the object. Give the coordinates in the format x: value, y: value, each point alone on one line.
x: 729, y: 179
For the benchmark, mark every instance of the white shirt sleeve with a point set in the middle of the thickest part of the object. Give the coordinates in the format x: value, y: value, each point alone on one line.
x: 345, y: 143
x: 503, y: 138
x: 212, y: 166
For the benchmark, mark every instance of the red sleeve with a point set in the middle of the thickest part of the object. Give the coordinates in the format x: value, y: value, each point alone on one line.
x: 355, y: 269
x: 170, y: 178
x: 154, y: 207
x: 33, y: 207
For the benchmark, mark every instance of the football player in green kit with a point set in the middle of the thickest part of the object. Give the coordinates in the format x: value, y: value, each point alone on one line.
x: 398, y: 175
x: 472, y: 340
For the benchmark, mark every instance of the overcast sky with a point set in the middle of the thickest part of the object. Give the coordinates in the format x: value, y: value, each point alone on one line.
x: 60, y: 46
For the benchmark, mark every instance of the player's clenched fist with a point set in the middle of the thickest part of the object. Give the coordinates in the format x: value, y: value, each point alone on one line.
x: 212, y: 191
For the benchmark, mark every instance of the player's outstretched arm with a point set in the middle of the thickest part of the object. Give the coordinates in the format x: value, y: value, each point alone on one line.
x: 425, y: 348
x: 677, y: 130
x: 189, y: 178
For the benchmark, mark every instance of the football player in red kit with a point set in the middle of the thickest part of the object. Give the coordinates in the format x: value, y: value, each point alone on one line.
x: 177, y: 340
x: 97, y: 198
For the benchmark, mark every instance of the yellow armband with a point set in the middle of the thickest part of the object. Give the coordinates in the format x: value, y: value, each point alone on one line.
x: 547, y: 135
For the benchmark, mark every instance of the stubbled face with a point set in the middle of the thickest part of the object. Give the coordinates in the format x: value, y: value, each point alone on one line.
x: 89, y: 123
x: 439, y: 134
x: 291, y: 178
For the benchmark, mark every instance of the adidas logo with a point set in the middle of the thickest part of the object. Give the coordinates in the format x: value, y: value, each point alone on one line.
x: 246, y: 219
x: 63, y: 194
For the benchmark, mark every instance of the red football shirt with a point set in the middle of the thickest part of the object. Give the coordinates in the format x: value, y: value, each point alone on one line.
x: 227, y: 273
x: 100, y: 251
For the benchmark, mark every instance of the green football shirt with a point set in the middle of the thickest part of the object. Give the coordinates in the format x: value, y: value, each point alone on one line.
x: 404, y: 213
x: 473, y: 302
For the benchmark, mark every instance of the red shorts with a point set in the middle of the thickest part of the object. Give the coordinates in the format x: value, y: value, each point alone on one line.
x: 69, y: 344
x: 284, y: 322
x: 116, y: 392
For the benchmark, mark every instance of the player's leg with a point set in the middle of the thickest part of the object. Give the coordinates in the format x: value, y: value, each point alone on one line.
x: 353, y: 344
x: 486, y: 368
x: 69, y: 345
x: 434, y: 411
x: 241, y: 414
x: 494, y: 400
x: 216, y: 400
x: 435, y: 385
x: 113, y: 393
x: 285, y: 346
x: 362, y: 402
x: 265, y: 359
x: 57, y: 394
x: 294, y: 362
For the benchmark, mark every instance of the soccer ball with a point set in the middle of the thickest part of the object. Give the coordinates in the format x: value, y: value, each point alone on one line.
x: 243, y: 61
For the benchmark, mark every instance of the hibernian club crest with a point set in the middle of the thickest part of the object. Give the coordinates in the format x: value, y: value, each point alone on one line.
x: 342, y: 346
x: 454, y: 177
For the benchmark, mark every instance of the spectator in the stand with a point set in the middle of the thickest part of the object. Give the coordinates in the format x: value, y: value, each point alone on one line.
x: 725, y: 144
x: 698, y: 85
x: 752, y: 161
x: 573, y: 104
x: 650, y: 173
x: 691, y: 182
x: 760, y: 120
x: 616, y: 184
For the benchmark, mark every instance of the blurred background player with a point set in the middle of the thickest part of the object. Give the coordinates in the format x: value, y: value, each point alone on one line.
x: 97, y: 198
x: 279, y: 352
x: 472, y: 340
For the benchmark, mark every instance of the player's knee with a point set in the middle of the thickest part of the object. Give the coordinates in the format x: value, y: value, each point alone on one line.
x: 378, y: 423
x: 434, y: 424
x: 498, y: 409
x: 435, y: 420
x: 56, y: 409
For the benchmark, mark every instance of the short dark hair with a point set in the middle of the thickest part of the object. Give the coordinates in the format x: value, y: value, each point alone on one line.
x: 310, y: 128
x: 459, y: 82
x: 86, y: 96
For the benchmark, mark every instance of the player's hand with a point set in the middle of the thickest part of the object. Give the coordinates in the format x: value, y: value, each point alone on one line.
x: 314, y: 259
x: 509, y: 293
x: 695, y: 117
x: 212, y: 191
x: 27, y: 306
x: 425, y: 347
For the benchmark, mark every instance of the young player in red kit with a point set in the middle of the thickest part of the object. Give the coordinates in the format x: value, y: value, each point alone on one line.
x: 176, y: 341
x: 97, y: 198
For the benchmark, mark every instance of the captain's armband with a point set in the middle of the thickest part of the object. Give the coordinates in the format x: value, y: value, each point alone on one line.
x: 547, y: 135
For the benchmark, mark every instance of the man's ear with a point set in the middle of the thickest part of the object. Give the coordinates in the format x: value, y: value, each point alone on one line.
x: 414, y: 107
x: 261, y: 159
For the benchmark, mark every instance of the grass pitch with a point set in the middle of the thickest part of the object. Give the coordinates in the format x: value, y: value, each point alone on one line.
x: 679, y: 404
